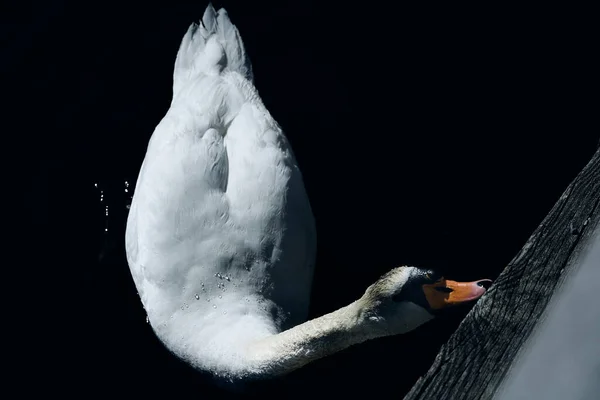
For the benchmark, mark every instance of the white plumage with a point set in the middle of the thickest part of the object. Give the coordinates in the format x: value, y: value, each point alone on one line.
x: 220, y: 212
x: 221, y: 238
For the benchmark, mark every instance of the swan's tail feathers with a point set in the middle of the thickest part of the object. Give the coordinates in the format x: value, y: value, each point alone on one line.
x: 213, y: 46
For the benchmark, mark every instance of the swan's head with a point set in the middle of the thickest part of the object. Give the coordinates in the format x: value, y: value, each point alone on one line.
x: 407, y: 297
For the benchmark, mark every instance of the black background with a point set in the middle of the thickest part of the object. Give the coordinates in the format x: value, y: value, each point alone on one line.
x: 433, y: 136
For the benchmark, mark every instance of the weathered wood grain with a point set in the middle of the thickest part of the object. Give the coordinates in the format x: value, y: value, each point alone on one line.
x: 476, y: 358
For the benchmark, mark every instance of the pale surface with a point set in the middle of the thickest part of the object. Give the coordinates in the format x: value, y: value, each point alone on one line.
x: 563, y: 360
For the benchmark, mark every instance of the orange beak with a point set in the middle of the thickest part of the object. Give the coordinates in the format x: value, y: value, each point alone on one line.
x: 446, y: 293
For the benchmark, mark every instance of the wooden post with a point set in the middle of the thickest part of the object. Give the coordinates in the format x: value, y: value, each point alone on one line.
x: 475, y: 360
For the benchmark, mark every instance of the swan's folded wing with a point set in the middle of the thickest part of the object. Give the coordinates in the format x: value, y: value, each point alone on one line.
x: 179, y: 200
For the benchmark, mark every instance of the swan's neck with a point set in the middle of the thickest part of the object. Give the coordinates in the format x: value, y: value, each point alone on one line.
x: 286, y: 351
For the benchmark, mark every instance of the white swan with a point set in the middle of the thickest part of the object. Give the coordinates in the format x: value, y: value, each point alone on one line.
x: 221, y: 239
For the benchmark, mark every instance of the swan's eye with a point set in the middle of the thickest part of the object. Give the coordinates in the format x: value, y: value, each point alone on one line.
x: 432, y: 276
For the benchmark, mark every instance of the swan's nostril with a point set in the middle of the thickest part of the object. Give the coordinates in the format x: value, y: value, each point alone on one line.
x: 484, y: 283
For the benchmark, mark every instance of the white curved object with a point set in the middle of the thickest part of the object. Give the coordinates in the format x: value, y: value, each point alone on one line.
x: 221, y: 238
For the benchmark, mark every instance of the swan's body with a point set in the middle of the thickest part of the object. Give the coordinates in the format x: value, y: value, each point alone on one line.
x: 220, y: 236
